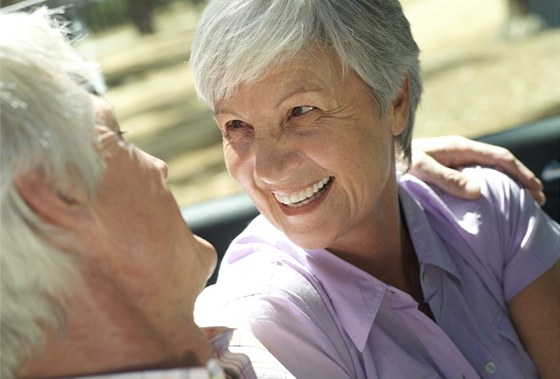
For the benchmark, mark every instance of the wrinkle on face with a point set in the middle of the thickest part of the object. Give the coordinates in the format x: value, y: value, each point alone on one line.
x: 343, y: 137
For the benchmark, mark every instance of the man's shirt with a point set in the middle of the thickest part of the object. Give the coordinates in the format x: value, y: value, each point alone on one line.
x: 229, y: 362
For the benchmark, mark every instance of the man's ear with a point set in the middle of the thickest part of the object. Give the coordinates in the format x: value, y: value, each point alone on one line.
x: 56, y: 208
x: 400, y: 107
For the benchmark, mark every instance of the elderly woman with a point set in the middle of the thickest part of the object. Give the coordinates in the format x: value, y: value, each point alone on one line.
x: 355, y: 271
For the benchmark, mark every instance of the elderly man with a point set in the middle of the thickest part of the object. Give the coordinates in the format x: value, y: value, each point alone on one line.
x: 99, y: 271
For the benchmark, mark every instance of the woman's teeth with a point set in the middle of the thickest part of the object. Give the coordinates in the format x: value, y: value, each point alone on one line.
x: 304, y: 197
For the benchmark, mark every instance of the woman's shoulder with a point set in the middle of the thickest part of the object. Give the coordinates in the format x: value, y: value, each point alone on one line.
x: 262, y: 262
x: 504, y: 231
x: 500, y: 195
x: 259, y: 231
x: 262, y: 245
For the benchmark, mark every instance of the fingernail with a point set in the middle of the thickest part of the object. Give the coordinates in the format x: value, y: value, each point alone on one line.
x: 539, y: 182
x: 542, y: 198
x: 472, y: 188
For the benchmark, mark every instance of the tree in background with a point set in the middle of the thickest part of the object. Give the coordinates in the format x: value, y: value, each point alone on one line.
x: 141, y: 13
x: 522, y: 20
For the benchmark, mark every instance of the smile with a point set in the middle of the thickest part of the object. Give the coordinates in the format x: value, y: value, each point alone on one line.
x: 306, y: 196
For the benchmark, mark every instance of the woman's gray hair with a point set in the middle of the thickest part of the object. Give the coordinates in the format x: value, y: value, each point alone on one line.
x: 47, y: 125
x: 238, y: 40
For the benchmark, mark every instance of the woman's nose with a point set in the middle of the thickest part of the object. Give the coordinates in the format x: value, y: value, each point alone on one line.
x: 274, y: 159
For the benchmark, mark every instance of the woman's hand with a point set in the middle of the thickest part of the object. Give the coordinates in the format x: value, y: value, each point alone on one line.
x: 434, y: 160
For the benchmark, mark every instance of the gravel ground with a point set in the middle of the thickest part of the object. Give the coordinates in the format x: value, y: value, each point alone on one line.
x: 476, y: 82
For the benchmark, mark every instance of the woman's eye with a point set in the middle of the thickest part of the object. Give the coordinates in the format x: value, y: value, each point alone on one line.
x: 235, y: 124
x: 236, y: 131
x: 300, y: 111
x: 120, y: 136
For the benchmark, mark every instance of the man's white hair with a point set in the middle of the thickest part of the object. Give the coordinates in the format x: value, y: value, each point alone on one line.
x: 47, y: 125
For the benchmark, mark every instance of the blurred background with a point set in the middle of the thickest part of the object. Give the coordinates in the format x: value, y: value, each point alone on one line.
x: 488, y: 65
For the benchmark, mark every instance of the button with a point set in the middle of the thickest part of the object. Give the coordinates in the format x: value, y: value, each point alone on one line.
x: 490, y: 367
x: 424, y: 277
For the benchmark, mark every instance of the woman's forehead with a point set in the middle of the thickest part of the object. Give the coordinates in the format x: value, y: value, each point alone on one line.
x: 307, y: 71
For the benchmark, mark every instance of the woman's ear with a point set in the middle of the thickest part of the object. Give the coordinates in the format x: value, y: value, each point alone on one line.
x: 56, y: 208
x: 400, y: 108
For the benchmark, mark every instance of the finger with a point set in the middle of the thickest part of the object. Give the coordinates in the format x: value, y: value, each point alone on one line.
x: 539, y: 196
x: 528, y: 180
x: 459, y: 151
x: 503, y: 160
x: 448, y: 179
x: 525, y: 176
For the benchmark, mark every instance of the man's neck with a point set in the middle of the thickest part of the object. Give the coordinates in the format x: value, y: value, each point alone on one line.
x: 104, y: 336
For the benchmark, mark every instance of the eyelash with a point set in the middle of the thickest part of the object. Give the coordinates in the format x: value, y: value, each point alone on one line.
x: 306, y: 108
x: 231, y: 124
x: 238, y: 124
x: 121, y: 134
x: 230, y: 132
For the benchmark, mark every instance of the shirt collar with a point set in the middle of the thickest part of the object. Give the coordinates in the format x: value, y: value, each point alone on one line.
x: 417, y: 199
x: 211, y: 371
x: 356, y: 296
x: 224, y: 365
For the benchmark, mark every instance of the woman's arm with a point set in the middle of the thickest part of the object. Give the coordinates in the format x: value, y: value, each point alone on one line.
x: 535, y: 312
x: 433, y: 160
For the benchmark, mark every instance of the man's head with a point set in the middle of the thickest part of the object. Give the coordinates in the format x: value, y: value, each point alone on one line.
x: 94, y: 252
x: 47, y: 129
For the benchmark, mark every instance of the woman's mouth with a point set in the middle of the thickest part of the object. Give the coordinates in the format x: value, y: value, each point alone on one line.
x: 305, y: 196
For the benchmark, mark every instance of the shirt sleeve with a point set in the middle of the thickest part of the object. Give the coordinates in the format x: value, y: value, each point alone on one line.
x: 284, y: 312
x: 532, y: 238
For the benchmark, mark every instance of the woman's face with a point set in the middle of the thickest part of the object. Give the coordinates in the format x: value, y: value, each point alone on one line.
x: 309, y: 147
x: 141, y: 240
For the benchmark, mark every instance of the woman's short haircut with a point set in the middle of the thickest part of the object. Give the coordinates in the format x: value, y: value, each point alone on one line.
x: 238, y: 40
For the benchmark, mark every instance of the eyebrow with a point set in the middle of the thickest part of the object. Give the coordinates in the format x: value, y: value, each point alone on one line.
x: 86, y: 84
x: 302, y: 89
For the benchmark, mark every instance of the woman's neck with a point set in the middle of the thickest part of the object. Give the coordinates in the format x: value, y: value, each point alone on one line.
x: 385, y: 250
